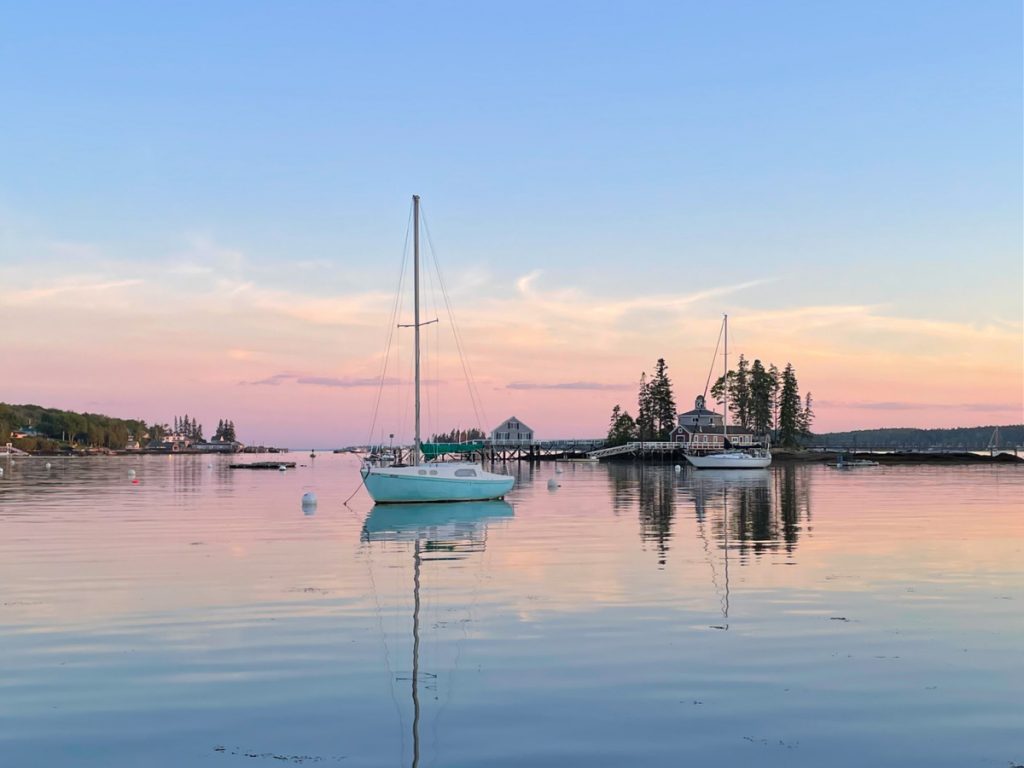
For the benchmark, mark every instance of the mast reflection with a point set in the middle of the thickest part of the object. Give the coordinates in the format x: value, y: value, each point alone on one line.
x: 438, y: 533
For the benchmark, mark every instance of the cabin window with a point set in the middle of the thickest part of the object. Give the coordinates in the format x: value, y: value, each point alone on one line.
x: 465, y: 473
x: 433, y: 471
x: 422, y: 472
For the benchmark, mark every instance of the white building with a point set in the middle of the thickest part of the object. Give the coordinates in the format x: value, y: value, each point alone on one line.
x: 511, y: 432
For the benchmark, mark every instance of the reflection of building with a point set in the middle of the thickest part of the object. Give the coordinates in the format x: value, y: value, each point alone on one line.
x: 703, y: 430
x: 512, y: 432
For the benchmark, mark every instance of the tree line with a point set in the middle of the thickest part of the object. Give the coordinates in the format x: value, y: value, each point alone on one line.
x: 766, y: 401
x: 895, y: 438
x: 56, y: 426
x: 457, y: 436
x: 761, y: 399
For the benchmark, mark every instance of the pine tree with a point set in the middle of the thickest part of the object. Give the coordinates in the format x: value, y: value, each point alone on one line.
x: 776, y: 384
x: 645, y: 414
x: 789, y: 409
x: 806, y: 417
x: 662, y: 403
x: 760, y: 398
x: 718, y: 389
x: 621, y: 427
x: 739, y: 393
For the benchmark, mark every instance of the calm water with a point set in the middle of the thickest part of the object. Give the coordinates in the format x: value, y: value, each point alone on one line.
x: 634, y: 616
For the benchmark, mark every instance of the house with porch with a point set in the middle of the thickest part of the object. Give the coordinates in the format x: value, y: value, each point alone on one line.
x: 511, y: 431
x: 702, y: 430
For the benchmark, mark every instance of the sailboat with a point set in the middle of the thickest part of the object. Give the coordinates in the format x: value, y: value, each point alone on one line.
x: 430, y: 481
x: 727, y: 458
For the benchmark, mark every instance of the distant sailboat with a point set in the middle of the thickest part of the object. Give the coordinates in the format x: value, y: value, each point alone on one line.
x: 432, y: 481
x: 726, y: 458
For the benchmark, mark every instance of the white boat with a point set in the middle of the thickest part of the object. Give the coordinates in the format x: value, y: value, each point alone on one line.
x: 730, y: 459
x: 430, y: 481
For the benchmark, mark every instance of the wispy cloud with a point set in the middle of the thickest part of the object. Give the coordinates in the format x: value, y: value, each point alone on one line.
x: 345, y: 383
x: 572, y: 385
x: 74, y: 285
x: 322, y: 381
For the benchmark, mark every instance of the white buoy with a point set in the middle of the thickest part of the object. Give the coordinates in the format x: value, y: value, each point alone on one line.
x: 552, y: 484
x: 678, y: 468
x: 48, y: 465
x: 131, y: 473
x: 558, y: 470
x: 282, y: 467
x: 1, y: 471
x: 309, y: 502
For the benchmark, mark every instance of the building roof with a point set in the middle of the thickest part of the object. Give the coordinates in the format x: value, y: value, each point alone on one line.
x: 519, y: 421
x: 700, y: 412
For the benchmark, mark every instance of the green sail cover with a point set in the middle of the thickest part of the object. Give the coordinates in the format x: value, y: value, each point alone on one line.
x: 433, y: 450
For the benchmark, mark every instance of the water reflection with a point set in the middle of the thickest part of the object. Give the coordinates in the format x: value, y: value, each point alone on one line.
x: 754, y: 512
x: 438, y: 533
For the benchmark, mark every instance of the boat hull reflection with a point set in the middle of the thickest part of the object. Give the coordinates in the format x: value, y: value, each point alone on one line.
x: 410, y: 522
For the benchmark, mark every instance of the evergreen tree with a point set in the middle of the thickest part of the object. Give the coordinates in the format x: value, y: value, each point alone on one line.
x: 776, y: 384
x: 645, y: 414
x: 662, y: 403
x: 739, y: 393
x: 806, y: 417
x: 789, y: 409
x: 621, y: 427
x: 760, y: 398
x: 718, y: 388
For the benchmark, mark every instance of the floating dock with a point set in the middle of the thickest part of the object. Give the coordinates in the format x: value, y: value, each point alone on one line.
x: 264, y: 465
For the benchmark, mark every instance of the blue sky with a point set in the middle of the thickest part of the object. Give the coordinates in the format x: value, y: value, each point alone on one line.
x: 857, y: 153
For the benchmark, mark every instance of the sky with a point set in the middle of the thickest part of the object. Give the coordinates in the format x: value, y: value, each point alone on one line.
x: 204, y: 208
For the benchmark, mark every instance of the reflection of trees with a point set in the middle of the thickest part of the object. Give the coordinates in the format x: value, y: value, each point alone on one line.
x: 657, y: 507
x: 765, y: 512
x: 653, y: 491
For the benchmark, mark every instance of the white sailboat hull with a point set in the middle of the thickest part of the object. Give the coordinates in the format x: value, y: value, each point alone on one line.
x: 732, y: 460
x: 434, y: 483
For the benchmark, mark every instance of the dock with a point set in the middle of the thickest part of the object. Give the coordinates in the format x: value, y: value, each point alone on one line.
x: 264, y: 465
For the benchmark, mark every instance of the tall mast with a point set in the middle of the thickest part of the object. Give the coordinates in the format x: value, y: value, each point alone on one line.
x: 416, y: 316
x: 725, y: 379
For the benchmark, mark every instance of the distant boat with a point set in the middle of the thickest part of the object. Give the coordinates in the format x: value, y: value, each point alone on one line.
x: 433, y: 481
x: 842, y: 462
x: 730, y: 459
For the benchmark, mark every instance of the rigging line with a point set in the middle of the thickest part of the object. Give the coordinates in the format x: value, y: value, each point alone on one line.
x: 474, y: 395
x: 391, y: 326
x: 714, y: 361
